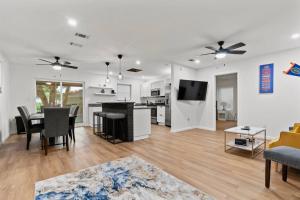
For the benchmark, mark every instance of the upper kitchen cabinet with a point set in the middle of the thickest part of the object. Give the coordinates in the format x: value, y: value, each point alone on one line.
x: 146, y: 89
x: 159, y: 85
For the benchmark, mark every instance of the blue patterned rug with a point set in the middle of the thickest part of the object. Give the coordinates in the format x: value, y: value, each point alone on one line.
x: 126, y: 178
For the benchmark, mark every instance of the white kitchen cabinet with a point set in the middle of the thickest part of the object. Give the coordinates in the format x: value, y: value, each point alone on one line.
x: 161, y: 114
x: 145, y: 90
x: 155, y: 85
x: 159, y: 85
x: 141, y: 123
x: 162, y: 89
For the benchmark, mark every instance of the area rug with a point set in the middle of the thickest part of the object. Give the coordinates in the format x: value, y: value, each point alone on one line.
x: 126, y: 178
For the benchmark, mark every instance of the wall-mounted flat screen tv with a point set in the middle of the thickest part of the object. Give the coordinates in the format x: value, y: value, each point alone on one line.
x: 192, y: 90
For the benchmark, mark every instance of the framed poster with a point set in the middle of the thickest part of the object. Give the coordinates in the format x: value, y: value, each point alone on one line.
x: 266, y: 78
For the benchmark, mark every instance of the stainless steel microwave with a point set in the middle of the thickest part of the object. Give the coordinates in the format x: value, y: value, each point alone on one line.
x: 155, y: 92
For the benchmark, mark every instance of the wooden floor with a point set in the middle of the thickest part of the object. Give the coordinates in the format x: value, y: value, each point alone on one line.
x: 222, y: 125
x: 195, y: 156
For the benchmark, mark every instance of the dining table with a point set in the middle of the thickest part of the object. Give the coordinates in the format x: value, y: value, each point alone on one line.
x: 40, y: 117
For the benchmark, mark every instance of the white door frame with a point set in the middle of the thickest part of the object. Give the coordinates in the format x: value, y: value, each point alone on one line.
x: 215, y: 96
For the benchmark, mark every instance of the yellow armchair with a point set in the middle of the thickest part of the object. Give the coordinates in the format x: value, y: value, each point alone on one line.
x: 291, y: 139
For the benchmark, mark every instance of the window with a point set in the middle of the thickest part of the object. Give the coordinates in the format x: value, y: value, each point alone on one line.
x: 124, y: 92
x: 59, y: 94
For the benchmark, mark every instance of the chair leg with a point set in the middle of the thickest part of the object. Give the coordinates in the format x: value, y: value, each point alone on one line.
x: 28, y: 140
x: 122, y: 123
x: 67, y: 142
x: 284, y: 172
x: 64, y: 141
x: 105, y: 128
x: 73, y: 132
x: 70, y: 133
x: 46, y: 145
x: 94, y: 124
x: 114, y: 131
x: 42, y: 142
x: 267, y: 173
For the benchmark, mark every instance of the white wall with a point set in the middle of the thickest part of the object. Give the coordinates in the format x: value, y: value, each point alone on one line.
x: 227, y: 92
x: 24, y: 92
x: 183, y: 113
x: 4, y: 99
x: 275, y: 111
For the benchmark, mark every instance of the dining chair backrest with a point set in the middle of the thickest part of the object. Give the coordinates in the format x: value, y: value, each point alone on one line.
x: 26, y: 111
x: 76, y: 110
x: 56, y: 122
x: 72, y: 109
x: 25, y: 117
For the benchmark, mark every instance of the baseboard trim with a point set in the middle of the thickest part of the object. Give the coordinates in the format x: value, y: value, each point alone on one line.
x: 206, y: 128
x: 182, y: 129
x: 142, y: 137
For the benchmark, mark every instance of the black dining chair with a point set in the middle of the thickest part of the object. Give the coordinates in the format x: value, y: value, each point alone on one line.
x: 56, y: 123
x: 73, y: 111
x: 29, y: 126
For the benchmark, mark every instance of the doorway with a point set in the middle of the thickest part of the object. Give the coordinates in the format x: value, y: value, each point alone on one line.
x: 226, y: 101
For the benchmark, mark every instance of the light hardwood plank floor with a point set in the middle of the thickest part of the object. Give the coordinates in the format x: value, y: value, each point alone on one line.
x: 197, y: 157
x: 222, y: 125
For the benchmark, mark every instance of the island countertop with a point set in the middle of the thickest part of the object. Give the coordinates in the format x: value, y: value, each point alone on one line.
x: 99, y: 104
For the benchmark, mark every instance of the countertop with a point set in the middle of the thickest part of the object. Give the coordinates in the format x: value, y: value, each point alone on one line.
x: 138, y: 106
x: 99, y: 104
x: 141, y: 107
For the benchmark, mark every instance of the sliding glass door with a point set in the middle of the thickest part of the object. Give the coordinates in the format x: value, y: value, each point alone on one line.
x: 47, y: 94
x: 59, y: 94
x: 72, y: 94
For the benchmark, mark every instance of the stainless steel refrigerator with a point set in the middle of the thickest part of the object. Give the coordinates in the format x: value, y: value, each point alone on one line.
x: 168, y: 110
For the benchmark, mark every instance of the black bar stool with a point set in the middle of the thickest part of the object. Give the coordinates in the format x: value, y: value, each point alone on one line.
x: 99, y: 126
x: 115, y: 119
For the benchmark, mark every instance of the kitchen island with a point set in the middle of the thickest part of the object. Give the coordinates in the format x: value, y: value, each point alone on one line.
x: 137, y: 122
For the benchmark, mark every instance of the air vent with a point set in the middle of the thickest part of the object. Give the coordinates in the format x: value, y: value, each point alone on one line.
x: 81, y: 35
x: 75, y: 44
x: 134, y: 70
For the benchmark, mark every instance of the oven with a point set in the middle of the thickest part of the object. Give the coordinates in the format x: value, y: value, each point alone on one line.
x: 154, y: 115
x: 155, y: 92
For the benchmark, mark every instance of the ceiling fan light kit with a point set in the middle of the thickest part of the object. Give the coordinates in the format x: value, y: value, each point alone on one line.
x: 222, y: 52
x: 57, y: 65
x: 220, y: 55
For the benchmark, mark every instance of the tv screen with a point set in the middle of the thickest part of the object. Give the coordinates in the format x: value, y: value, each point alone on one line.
x: 192, y: 90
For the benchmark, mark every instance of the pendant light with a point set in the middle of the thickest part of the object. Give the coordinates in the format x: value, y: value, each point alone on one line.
x: 107, y: 77
x: 120, y: 75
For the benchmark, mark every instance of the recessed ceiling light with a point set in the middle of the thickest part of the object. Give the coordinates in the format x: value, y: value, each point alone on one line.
x: 197, y: 61
x: 295, y: 36
x: 72, y: 22
x: 220, y: 55
x: 138, y: 62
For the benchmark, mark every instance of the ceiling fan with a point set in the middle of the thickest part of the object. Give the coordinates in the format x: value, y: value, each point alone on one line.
x: 222, y: 52
x: 56, y: 65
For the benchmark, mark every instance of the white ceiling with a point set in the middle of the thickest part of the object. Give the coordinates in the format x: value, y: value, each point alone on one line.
x: 157, y: 32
